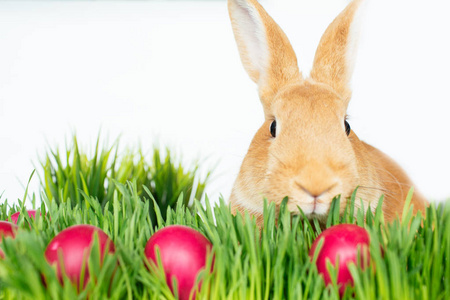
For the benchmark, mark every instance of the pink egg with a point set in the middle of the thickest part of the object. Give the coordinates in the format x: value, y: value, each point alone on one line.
x: 6, y: 229
x: 15, y: 216
x: 183, y: 252
x: 343, y: 241
x: 74, y: 245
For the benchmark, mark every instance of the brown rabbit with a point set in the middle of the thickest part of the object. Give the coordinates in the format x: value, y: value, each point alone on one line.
x: 305, y: 149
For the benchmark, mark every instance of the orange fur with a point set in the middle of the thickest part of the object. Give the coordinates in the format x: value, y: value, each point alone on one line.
x: 311, y: 159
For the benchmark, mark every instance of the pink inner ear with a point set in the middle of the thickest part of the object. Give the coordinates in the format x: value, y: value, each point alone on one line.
x: 251, y: 38
x: 265, y: 51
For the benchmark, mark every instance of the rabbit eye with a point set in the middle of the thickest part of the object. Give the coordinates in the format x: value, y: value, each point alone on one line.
x: 273, y: 128
x: 347, y: 128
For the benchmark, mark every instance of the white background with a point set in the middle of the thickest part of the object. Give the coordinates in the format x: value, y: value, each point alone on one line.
x: 170, y: 71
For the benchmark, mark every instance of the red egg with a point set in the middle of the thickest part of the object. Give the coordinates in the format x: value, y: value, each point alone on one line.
x: 6, y: 229
x: 15, y: 216
x: 74, y: 245
x: 343, y: 241
x: 183, y: 252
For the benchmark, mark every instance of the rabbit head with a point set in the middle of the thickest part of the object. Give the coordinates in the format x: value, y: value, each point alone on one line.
x: 305, y: 149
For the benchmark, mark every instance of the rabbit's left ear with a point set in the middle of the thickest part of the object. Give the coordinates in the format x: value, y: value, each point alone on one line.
x: 265, y: 51
x: 336, y: 53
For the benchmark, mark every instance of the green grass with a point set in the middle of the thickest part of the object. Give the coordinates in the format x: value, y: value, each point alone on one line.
x: 410, y: 258
x: 74, y: 174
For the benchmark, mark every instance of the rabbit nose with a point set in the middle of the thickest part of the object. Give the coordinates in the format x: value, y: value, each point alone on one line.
x: 317, y: 191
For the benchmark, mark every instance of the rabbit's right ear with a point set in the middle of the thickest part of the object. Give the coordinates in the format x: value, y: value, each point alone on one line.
x: 265, y: 51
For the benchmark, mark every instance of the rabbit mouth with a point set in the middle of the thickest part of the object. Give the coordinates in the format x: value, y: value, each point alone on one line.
x: 314, y: 208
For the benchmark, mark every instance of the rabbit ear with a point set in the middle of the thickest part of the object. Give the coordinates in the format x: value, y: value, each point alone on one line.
x: 335, y: 55
x: 265, y: 51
